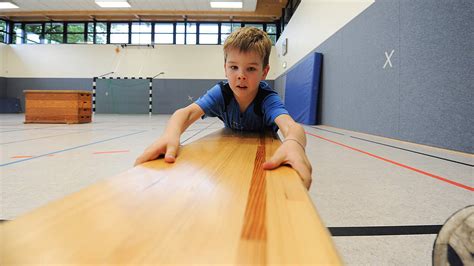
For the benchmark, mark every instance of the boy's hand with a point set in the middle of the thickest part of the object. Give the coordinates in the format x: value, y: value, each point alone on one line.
x: 168, y: 143
x: 164, y: 145
x: 290, y: 152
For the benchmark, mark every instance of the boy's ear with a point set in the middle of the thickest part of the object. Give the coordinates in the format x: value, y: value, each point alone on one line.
x: 265, y: 72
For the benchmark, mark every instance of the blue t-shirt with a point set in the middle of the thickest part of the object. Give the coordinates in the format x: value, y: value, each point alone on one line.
x: 214, y: 105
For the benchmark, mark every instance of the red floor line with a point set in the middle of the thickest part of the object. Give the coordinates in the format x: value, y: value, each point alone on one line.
x: 397, y: 163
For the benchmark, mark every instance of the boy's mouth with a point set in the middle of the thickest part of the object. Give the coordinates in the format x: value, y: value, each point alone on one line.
x: 241, y: 87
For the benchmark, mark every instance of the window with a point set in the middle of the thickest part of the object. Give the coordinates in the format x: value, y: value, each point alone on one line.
x: 75, y: 32
x: 119, y: 32
x: 3, y: 31
x: 208, y: 33
x: 17, y: 33
x: 227, y: 28
x: 33, y: 33
x: 141, y: 33
x: 186, y: 33
x: 164, y: 33
x: 100, y: 33
x: 255, y: 25
x: 54, y: 32
x: 90, y: 32
x: 271, y: 30
x: 126, y: 32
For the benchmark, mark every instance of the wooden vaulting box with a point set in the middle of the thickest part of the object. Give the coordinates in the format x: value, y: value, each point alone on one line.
x: 58, y: 106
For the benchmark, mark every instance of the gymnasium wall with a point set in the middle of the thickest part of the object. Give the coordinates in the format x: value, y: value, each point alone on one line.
x: 87, y: 61
x: 189, y: 69
x: 16, y: 86
x: 312, y: 23
x: 3, y: 89
x: 3, y: 48
x: 403, y: 70
x: 168, y: 94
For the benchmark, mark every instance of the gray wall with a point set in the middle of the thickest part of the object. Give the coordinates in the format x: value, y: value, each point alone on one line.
x: 16, y: 86
x: 171, y: 94
x: 279, y: 86
x: 130, y: 97
x: 3, y: 87
x: 426, y: 96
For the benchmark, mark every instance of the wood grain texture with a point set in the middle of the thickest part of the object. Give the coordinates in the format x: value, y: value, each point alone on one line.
x: 191, y: 212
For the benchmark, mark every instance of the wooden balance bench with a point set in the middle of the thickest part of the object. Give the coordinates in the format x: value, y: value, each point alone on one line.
x: 58, y: 106
x: 214, y: 205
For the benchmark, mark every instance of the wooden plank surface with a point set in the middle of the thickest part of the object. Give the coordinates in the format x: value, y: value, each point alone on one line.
x: 215, y: 205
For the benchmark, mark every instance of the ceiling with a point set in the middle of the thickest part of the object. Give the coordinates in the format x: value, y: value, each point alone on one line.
x: 143, y: 10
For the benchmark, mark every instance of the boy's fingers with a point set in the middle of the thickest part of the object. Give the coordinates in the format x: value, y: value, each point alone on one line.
x: 142, y: 159
x: 274, y: 162
x: 151, y: 153
x: 307, y: 183
x: 304, y: 173
x: 137, y: 162
x: 170, y: 155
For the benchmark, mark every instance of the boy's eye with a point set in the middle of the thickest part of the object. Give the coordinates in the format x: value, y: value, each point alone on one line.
x: 233, y: 67
x: 251, y: 69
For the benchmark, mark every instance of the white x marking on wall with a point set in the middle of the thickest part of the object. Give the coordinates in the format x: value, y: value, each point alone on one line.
x: 388, y: 56
x: 190, y: 98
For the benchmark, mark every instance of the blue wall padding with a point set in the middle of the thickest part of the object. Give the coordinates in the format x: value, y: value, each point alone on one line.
x: 302, y: 88
x: 10, y: 105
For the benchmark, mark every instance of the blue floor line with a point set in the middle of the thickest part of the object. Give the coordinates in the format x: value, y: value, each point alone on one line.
x: 26, y: 129
x: 77, y: 131
x: 80, y: 146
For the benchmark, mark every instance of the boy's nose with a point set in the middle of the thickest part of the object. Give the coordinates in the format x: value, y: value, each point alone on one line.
x: 241, y: 76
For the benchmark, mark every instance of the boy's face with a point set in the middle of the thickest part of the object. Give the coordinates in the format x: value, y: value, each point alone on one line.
x: 244, y: 72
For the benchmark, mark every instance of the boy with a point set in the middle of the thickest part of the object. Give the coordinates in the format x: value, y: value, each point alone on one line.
x: 242, y: 103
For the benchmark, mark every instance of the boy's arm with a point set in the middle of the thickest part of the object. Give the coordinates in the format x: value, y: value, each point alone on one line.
x: 292, y: 150
x: 168, y: 143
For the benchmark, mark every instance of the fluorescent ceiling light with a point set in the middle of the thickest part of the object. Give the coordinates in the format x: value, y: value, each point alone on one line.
x: 226, y: 4
x: 7, y: 5
x: 112, y: 3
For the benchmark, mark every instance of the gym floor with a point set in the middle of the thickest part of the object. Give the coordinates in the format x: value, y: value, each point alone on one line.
x: 383, y: 200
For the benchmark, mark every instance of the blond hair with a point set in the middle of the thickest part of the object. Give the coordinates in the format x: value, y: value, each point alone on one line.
x: 248, y: 39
